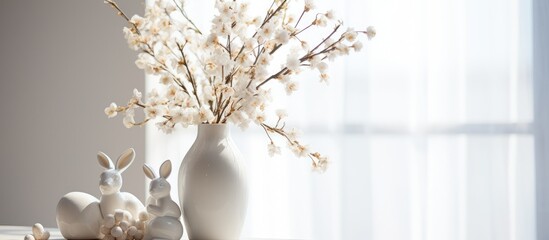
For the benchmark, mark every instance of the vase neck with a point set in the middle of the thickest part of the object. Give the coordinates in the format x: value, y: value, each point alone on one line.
x: 213, y: 131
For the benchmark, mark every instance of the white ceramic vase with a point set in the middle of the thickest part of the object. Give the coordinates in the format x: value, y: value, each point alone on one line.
x: 213, y: 189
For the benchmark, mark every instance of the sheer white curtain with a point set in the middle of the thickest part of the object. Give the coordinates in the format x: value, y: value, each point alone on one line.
x: 429, y: 130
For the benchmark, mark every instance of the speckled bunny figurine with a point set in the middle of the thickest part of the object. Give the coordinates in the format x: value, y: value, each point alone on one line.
x: 110, y: 183
x: 164, y: 212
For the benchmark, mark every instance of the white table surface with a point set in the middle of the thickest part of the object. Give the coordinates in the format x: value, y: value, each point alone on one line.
x: 19, y: 232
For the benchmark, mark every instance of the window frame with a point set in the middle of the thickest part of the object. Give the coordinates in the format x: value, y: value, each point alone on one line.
x: 541, y: 113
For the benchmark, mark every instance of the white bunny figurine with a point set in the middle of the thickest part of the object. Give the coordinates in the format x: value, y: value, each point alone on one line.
x: 110, y: 184
x: 164, y: 212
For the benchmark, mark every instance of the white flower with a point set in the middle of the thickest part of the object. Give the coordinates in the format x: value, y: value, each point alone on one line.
x: 322, y: 67
x: 350, y: 35
x: 293, y: 134
x: 141, y: 63
x: 300, y: 150
x: 273, y: 149
x: 330, y: 14
x: 165, y: 126
x: 256, y: 21
x: 244, y: 60
x: 321, y: 164
x: 281, y: 113
x: 222, y: 57
x: 176, y: 113
x: 133, y: 40
x: 309, y: 5
x: 184, y: 116
x: 153, y: 93
x: 211, y: 40
x: 205, y: 115
x: 186, y: 100
x: 314, y: 61
x: 239, y: 118
x: 370, y: 32
x: 284, y: 79
x: 249, y: 44
x: 165, y: 79
x: 171, y: 8
x: 128, y: 120
x: 321, y: 21
x: 291, y: 87
x: 164, y: 24
x: 324, y: 77
x: 269, y: 45
x: 227, y: 91
x: 210, y: 67
x: 259, y: 118
x: 264, y: 59
x: 207, y: 93
x: 357, y: 46
x: 282, y: 37
x: 190, y: 116
x: 172, y: 92
x: 110, y: 111
x: 267, y: 30
x: 137, y: 21
x: 152, y: 112
x: 329, y: 42
x: 137, y: 94
x: 292, y: 62
x: 343, y: 49
x: 290, y: 18
x: 333, y: 54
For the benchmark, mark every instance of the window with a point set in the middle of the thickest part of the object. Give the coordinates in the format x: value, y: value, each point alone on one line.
x: 430, y: 131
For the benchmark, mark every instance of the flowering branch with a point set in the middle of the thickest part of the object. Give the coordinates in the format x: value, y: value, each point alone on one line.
x: 184, y: 14
x: 189, y: 74
x: 268, y: 17
x: 221, y: 76
x: 121, y: 13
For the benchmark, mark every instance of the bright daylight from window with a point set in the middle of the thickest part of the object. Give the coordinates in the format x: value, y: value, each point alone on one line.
x: 429, y: 130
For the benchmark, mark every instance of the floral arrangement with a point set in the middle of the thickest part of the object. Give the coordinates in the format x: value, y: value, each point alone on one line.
x: 225, y: 75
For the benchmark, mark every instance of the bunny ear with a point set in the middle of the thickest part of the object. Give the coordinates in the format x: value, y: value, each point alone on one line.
x: 104, y: 160
x: 148, y: 171
x: 166, y: 169
x: 125, y: 160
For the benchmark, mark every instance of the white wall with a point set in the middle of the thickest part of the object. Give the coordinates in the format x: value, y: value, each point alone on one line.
x: 61, y: 63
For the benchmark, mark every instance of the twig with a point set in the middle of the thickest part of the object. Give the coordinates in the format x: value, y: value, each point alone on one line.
x: 186, y: 17
x: 191, y: 78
